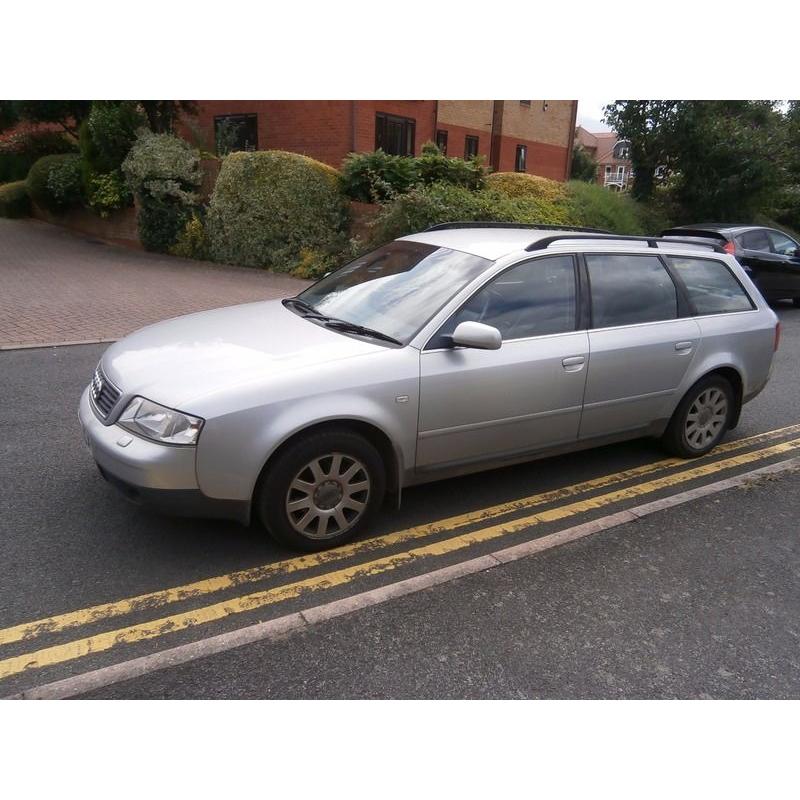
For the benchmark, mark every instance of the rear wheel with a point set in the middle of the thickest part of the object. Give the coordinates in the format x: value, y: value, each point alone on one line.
x: 701, y: 419
x: 322, y: 490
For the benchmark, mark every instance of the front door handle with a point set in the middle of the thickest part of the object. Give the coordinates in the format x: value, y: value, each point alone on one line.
x: 573, y: 363
x: 683, y: 347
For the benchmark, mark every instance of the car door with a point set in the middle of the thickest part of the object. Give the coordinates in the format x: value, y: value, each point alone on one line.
x: 786, y: 270
x: 754, y: 252
x: 482, y: 404
x: 640, y: 344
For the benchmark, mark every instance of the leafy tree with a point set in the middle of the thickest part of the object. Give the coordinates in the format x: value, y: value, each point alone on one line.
x: 649, y: 125
x: 729, y: 158
x: 163, y: 114
x: 726, y: 158
x: 584, y: 166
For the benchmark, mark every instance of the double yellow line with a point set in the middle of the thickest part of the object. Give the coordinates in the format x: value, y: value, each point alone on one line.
x: 139, y: 632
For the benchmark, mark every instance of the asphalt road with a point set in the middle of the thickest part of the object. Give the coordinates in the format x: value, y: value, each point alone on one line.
x: 69, y: 542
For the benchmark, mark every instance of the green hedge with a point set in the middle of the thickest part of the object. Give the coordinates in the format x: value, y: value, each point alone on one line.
x: 424, y: 206
x: 268, y: 206
x: 378, y: 177
x: 594, y: 206
x: 14, y: 200
x: 54, y: 182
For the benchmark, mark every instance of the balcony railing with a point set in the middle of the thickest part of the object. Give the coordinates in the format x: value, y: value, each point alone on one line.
x: 615, y: 180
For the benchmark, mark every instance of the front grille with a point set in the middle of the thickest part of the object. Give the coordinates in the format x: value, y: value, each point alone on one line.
x: 103, y: 393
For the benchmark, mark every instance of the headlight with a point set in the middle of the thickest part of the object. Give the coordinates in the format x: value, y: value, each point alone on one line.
x: 160, y: 424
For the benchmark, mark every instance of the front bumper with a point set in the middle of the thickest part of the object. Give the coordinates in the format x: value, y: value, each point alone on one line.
x: 156, y: 475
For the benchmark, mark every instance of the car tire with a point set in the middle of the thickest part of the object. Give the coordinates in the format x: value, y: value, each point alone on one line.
x: 701, y: 419
x: 322, y: 490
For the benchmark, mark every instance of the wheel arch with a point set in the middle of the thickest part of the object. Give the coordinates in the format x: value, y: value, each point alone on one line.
x: 377, y: 437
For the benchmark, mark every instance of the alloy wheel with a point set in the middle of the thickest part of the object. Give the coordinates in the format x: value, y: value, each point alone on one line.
x: 328, y: 496
x: 706, y: 417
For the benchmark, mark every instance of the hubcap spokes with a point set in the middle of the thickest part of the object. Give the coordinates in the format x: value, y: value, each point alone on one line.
x: 328, y: 496
x: 706, y: 417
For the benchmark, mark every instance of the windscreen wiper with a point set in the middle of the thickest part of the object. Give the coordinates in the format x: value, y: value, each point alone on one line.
x: 352, y: 327
x: 309, y: 310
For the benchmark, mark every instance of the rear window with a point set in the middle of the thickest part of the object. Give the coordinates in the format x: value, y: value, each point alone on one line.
x: 630, y: 289
x: 712, y: 287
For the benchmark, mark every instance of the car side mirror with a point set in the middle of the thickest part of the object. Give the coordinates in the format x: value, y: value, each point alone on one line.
x: 797, y: 253
x: 477, y: 335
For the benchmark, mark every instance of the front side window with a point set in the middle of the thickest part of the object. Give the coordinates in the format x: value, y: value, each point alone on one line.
x: 630, y: 289
x: 234, y: 132
x: 536, y: 298
x: 521, y: 159
x: 470, y: 146
x: 394, y: 135
x: 395, y: 289
x: 711, y: 286
x: 782, y: 244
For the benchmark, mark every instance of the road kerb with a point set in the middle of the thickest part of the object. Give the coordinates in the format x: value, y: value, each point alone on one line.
x: 291, y: 623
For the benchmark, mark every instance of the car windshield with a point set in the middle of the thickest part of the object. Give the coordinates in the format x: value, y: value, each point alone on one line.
x: 395, y: 289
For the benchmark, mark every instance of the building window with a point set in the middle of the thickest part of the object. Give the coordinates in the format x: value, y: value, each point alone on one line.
x: 470, y: 146
x: 521, y: 160
x: 394, y: 135
x: 235, y: 132
x: 441, y: 142
x: 525, y: 103
x: 622, y: 150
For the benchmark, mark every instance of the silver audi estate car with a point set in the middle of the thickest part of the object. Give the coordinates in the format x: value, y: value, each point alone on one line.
x: 466, y: 347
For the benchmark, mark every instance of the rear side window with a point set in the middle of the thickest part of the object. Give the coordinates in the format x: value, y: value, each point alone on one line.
x: 755, y: 240
x: 630, y: 289
x: 712, y: 287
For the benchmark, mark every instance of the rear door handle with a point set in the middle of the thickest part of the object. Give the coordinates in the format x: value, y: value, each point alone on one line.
x: 573, y: 363
x: 683, y: 347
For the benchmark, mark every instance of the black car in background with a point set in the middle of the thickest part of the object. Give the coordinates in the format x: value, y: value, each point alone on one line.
x: 770, y: 256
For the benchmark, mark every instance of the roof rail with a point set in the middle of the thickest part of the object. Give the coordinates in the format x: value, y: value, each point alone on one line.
x: 444, y: 226
x: 652, y: 241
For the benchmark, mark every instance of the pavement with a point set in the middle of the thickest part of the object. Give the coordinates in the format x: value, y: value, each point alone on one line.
x: 62, y: 287
x: 664, y: 606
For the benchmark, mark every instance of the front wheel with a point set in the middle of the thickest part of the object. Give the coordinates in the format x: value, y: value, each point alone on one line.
x: 322, y: 490
x: 701, y: 419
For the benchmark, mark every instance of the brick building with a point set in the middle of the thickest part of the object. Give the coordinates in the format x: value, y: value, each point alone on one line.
x: 533, y: 136
x: 612, y: 154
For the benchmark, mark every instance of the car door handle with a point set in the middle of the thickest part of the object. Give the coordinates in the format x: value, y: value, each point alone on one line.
x: 683, y: 347
x: 573, y: 363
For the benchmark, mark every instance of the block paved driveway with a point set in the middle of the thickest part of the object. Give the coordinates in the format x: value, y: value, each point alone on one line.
x: 59, y: 287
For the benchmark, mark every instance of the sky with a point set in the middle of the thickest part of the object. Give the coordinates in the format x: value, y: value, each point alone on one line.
x: 590, y: 115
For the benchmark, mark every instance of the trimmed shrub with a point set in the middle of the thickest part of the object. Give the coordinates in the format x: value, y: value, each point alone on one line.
x: 14, y: 200
x: 20, y: 151
x: 424, y: 206
x: 594, y: 206
x: 433, y: 167
x: 54, y: 182
x: 163, y: 172
x: 192, y: 241
x: 377, y: 177
x: 163, y: 165
x: 108, y: 192
x: 521, y: 184
x: 161, y: 221
x: 269, y: 205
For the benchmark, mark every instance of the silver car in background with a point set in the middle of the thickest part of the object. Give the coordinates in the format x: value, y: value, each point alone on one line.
x: 466, y: 347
